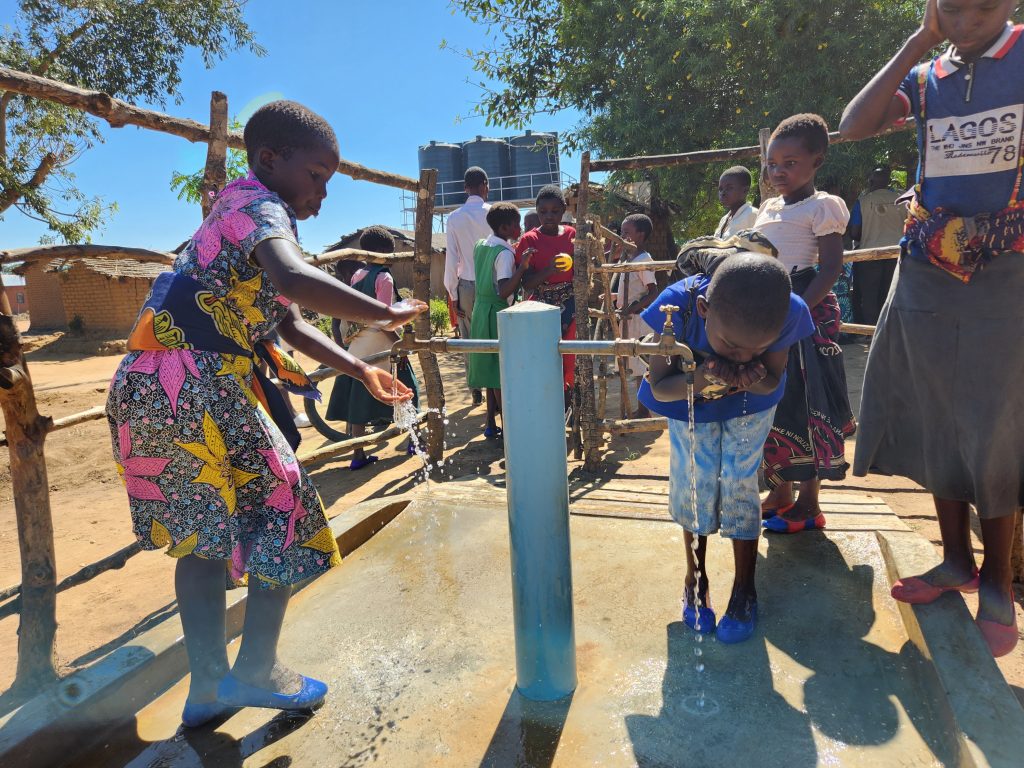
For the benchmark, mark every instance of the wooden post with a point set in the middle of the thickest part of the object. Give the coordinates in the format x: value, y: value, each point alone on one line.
x: 216, y: 174
x: 26, y: 432
x: 763, y: 184
x: 585, y: 408
x: 421, y: 290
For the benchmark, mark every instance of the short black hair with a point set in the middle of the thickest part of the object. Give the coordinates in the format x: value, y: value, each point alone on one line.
x: 377, y: 239
x: 809, y: 128
x: 500, y: 215
x: 738, y: 172
x: 642, y: 222
x: 531, y: 215
x: 286, y: 125
x: 551, y: 192
x: 752, y: 290
x: 474, y: 177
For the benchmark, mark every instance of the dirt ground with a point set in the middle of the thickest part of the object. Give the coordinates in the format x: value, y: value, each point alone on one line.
x: 91, y: 520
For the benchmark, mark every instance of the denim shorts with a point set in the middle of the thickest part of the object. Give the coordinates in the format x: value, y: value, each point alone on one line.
x: 728, y: 455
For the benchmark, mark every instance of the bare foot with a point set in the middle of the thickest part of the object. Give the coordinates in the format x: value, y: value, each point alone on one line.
x: 947, y: 575
x: 780, y: 496
x: 280, y: 679
x: 801, y: 511
x: 995, y: 604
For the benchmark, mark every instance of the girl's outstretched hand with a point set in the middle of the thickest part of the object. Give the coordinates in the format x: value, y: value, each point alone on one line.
x: 384, y: 388
x: 404, y: 312
x: 930, y: 27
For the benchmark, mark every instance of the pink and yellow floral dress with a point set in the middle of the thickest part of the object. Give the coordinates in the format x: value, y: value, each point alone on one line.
x: 208, y: 472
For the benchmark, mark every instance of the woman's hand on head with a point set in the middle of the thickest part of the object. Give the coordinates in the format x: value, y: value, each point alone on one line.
x: 405, y: 313
x: 383, y: 387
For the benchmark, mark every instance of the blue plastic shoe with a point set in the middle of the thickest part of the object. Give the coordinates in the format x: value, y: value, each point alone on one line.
x: 492, y: 432
x: 233, y: 692
x: 702, y: 620
x: 196, y: 715
x: 732, y: 630
x: 363, y: 462
x: 699, y: 620
x: 781, y: 525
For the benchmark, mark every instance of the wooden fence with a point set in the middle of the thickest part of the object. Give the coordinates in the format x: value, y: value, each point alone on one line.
x: 26, y: 428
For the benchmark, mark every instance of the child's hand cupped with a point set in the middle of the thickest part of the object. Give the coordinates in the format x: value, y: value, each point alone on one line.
x: 383, y: 387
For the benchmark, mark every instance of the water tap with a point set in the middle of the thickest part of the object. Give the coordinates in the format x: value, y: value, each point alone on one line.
x: 667, y: 339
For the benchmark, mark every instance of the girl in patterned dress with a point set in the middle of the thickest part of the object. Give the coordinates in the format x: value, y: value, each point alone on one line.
x: 201, y: 438
x: 814, y: 418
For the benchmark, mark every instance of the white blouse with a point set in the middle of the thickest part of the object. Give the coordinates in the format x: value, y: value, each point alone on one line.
x: 794, y: 229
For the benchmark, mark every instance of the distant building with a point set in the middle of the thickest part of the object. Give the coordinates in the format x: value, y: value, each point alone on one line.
x: 92, y: 295
x: 402, y: 271
x: 17, y: 293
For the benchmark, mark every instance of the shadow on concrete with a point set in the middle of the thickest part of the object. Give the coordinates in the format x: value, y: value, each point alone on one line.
x: 200, y: 747
x: 747, y: 703
x: 849, y: 695
x: 527, y: 734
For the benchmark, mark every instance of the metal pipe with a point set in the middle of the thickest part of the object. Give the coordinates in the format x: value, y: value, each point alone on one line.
x: 538, y: 500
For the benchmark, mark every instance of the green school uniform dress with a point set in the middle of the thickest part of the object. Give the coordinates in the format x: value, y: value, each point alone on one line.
x: 483, y: 367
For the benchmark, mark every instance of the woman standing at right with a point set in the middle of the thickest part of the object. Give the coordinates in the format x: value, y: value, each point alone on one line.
x: 942, y: 391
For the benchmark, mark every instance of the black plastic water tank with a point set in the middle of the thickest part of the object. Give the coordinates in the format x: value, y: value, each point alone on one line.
x: 534, y: 163
x: 447, y: 159
x: 491, y: 155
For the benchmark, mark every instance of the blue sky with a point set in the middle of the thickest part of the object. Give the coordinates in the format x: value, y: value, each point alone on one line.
x: 374, y: 70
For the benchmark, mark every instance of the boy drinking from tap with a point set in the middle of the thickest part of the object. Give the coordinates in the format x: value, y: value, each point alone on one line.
x: 739, y: 323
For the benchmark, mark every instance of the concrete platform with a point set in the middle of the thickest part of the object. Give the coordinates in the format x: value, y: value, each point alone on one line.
x: 414, y: 634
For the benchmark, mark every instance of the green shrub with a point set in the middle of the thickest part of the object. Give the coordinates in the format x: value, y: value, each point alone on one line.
x: 439, y: 320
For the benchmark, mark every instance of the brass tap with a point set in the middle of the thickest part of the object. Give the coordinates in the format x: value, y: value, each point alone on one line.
x: 666, y: 344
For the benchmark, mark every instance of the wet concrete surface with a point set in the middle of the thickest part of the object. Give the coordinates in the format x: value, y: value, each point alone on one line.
x: 414, y: 635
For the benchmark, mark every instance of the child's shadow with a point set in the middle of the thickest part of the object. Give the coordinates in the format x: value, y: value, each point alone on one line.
x: 819, y: 612
x: 744, y: 720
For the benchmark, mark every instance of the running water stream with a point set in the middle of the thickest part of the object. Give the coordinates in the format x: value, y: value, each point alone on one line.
x: 697, y: 704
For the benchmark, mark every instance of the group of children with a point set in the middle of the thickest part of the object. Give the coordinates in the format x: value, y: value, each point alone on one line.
x: 942, y: 380
x: 206, y: 447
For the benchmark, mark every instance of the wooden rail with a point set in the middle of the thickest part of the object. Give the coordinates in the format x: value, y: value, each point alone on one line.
x: 354, y: 254
x: 705, y: 156
x: 120, y: 113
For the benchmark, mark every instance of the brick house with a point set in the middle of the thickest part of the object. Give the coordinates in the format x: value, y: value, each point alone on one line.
x: 17, y: 294
x: 93, y: 295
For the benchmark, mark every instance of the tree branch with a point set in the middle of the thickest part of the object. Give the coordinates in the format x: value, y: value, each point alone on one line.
x: 10, y: 196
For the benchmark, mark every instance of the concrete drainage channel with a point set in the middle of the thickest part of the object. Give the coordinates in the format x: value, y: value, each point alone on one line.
x: 96, y: 700
x: 423, y: 670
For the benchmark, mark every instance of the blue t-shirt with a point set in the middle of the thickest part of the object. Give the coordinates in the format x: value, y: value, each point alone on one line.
x: 798, y: 326
x: 970, y: 140
x: 856, y: 218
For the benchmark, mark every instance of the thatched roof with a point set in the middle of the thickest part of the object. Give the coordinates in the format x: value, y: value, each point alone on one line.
x: 112, y: 267
x: 405, y: 240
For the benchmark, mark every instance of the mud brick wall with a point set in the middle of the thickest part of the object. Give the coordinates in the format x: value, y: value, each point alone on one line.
x: 103, y: 303
x: 46, y: 304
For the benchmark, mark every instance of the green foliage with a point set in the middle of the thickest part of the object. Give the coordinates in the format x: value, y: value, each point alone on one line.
x: 130, y: 49
x: 440, y: 322
x: 189, y: 186
x: 664, y: 76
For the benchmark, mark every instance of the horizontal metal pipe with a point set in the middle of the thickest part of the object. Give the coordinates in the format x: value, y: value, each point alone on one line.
x: 610, y: 348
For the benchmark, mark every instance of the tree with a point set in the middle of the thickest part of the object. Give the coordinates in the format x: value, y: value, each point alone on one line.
x: 130, y: 49
x: 189, y: 186
x: 666, y: 76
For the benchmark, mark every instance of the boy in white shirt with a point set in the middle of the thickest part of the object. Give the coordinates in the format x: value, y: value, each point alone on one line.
x: 636, y: 289
x: 733, y: 188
